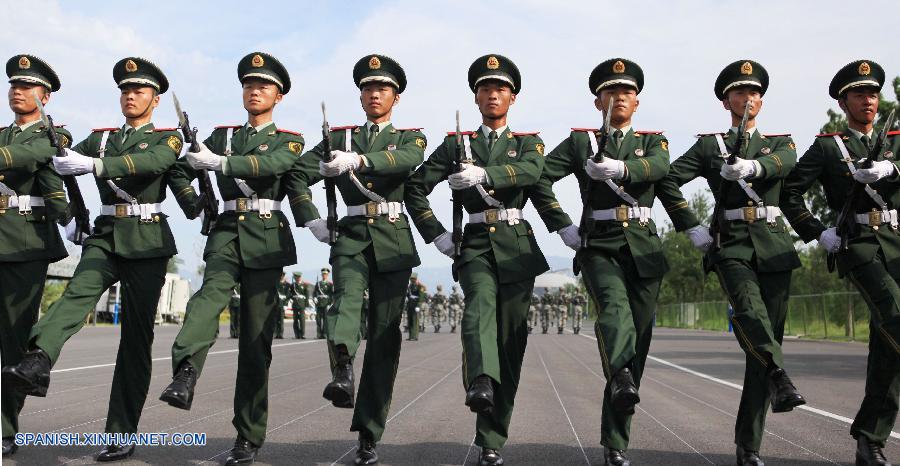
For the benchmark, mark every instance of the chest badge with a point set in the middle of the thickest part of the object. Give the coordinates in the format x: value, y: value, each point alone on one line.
x: 391, y: 147
x: 765, y: 151
x: 263, y: 147
x: 512, y: 153
x: 143, y: 145
x: 639, y: 152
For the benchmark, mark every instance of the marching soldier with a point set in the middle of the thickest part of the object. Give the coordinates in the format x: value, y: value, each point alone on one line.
x: 623, y: 262
x: 755, y: 254
x: 546, y: 310
x: 249, y: 245
x: 834, y: 160
x: 369, y: 165
x: 438, y: 303
x: 500, y: 256
x: 284, y: 293
x: 533, y: 312
x: 578, y: 303
x: 234, y: 312
x: 299, y: 293
x: 131, y: 243
x: 413, y: 295
x: 424, y: 308
x: 455, y: 308
x: 323, y: 294
x: 32, y: 200
x: 562, y: 311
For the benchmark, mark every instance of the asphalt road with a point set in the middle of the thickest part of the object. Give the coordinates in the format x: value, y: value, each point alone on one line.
x: 689, y: 400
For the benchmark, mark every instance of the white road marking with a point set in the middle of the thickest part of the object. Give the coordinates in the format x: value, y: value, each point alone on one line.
x: 578, y: 439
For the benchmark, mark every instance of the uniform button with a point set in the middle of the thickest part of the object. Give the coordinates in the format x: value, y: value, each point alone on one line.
x: 750, y: 203
x: 749, y: 185
x: 156, y: 218
x: 2, y: 177
x: 371, y: 221
x: 369, y: 185
x: 241, y: 218
x: 625, y: 224
x: 492, y: 229
x: 491, y: 192
x: 280, y: 225
x: 43, y: 218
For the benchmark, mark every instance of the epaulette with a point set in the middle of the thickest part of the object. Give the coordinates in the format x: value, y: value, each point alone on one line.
x: 893, y: 133
x: 339, y: 128
x: 827, y: 135
x: 409, y: 129
x: 708, y: 134
x: 464, y: 133
x: 289, y: 132
x: 526, y: 134
x: 786, y: 135
x: 586, y: 130
x: 229, y: 126
x: 648, y: 132
x: 102, y: 130
x: 159, y: 130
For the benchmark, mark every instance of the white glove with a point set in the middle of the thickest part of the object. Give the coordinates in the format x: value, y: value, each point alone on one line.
x: 570, y: 236
x: 699, y: 235
x: 879, y: 170
x: 205, y: 159
x: 444, y: 243
x: 829, y: 240
x: 319, y: 229
x: 740, y: 170
x: 73, y: 163
x: 70, y: 232
x: 342, y: 163
x: 470, y: 175
x: 608, y: 169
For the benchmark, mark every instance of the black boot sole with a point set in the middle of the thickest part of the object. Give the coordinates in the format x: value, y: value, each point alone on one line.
x: 118, y: 456
x: 177, y: 402
x: 625, y: 402
x: 788, y: 405
x: 480, y: 405
x: 339, y: 397
x: 23, y: 385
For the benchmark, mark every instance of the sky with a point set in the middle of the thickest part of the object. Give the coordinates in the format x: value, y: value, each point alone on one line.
x: 681, y: 46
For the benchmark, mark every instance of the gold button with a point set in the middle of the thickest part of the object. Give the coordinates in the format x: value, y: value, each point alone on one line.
x: 280, y: 224
x: 2, y: 177
x: 625, y: 224
x: 491, y: 192
x: 371, y: 221
x: 492, y: 229
x: 156, y: 218
x: 875, y: 227
x: 530, y: 232
x: 369, y: 185
x: 750, y: 203
x: 749, y: 185
x: 43, y: 218
x: 241, y: 218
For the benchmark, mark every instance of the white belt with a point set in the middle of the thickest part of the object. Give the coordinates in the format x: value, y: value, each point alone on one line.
x: 145, y: 211
x: 752, y: 214
x: 623, y: 213
x: 489, y: 216
x: 247, y: 204
x: 24, y: 203
x: 878, y: 217
x: 376, y: 209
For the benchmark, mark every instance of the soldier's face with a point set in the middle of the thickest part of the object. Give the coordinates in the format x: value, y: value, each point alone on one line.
x: 378, y: 99
x: 137, y: 101
x: 298, y: 280
x: 494, y: 99
x: 860, y: 105
x: 737, y: 98
x: 260, y: 96
x: 21, y: 101
x: 625, y: 103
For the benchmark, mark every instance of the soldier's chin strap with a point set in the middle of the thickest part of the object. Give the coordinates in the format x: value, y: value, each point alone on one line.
x: 643, y: 214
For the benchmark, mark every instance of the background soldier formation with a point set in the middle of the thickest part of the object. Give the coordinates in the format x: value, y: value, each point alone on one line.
x: 493, y: 171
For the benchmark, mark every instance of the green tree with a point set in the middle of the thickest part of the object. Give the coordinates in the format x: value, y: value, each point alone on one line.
x: 53, y: 290
x: 174, y: 263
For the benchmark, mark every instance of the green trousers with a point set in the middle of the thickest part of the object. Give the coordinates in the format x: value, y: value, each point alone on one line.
x: 259, y: 309
x: 140, y: 283
x: 321, y: 312
x: 352, y: 275
x: 21, y: 287
x: 234, y: 317
x: 412, y: 322
x: 494, y: 334
x: 878, y: 411
x: 299, y: 319
x: 760, y: 303
x: 279, y: 321
x: 577, y: 314
x: 626, y: 307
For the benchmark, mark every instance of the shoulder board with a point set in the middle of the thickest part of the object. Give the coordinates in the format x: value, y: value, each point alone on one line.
x: 409, y: 129
x: 102, y: 130
x: 708, y: 134
x: 526, y: 134
x: 228, y: 126
x: 289, y: 132
x: 893, y: 133
x: 826, y: 135
x: 464, y: 133
x: 785, y: 135
x: 648, y: 132
x: 586, y: 130
x: 160, y: 130
x: 339, y: 128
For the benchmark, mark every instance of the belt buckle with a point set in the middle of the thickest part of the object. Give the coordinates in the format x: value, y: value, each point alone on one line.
x: 491, y: 216
x: 4, y: 202
x: 121, y: 210
x: 748, y: 214
x: 241, y: 204
x: 371, y: 209
x: 875, y: 218
x: 622, y: 214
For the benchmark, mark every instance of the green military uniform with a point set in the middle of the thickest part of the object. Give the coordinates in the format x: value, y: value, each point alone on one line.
x: 234, y: 313
x: 413, y: 297
x: 454, y: 308
x: 546, y: 309
x: 578, y: 303
x: 284, y: 300
x: 562, y: 311
x: 29, y: 239
x: 533, y: 312
x: 623, y: 263
x: 500, y: 256
x: 438, y: 305
x: 870, y: 261
x: 323, y: 295
x: 299, y: 294
x: 374, y: 248
x: 755, y: 260
x: 249, y: 245
x: 364, y: 317
x: 131, y: 243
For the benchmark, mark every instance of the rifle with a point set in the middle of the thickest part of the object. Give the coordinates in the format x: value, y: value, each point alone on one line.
x: 457, y: 197
x: 719, y: 222
x: 77, y: 208
x: 330, y: 194
x: 846, y: 221
x: 208, y: 196
x: 587, y: 217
